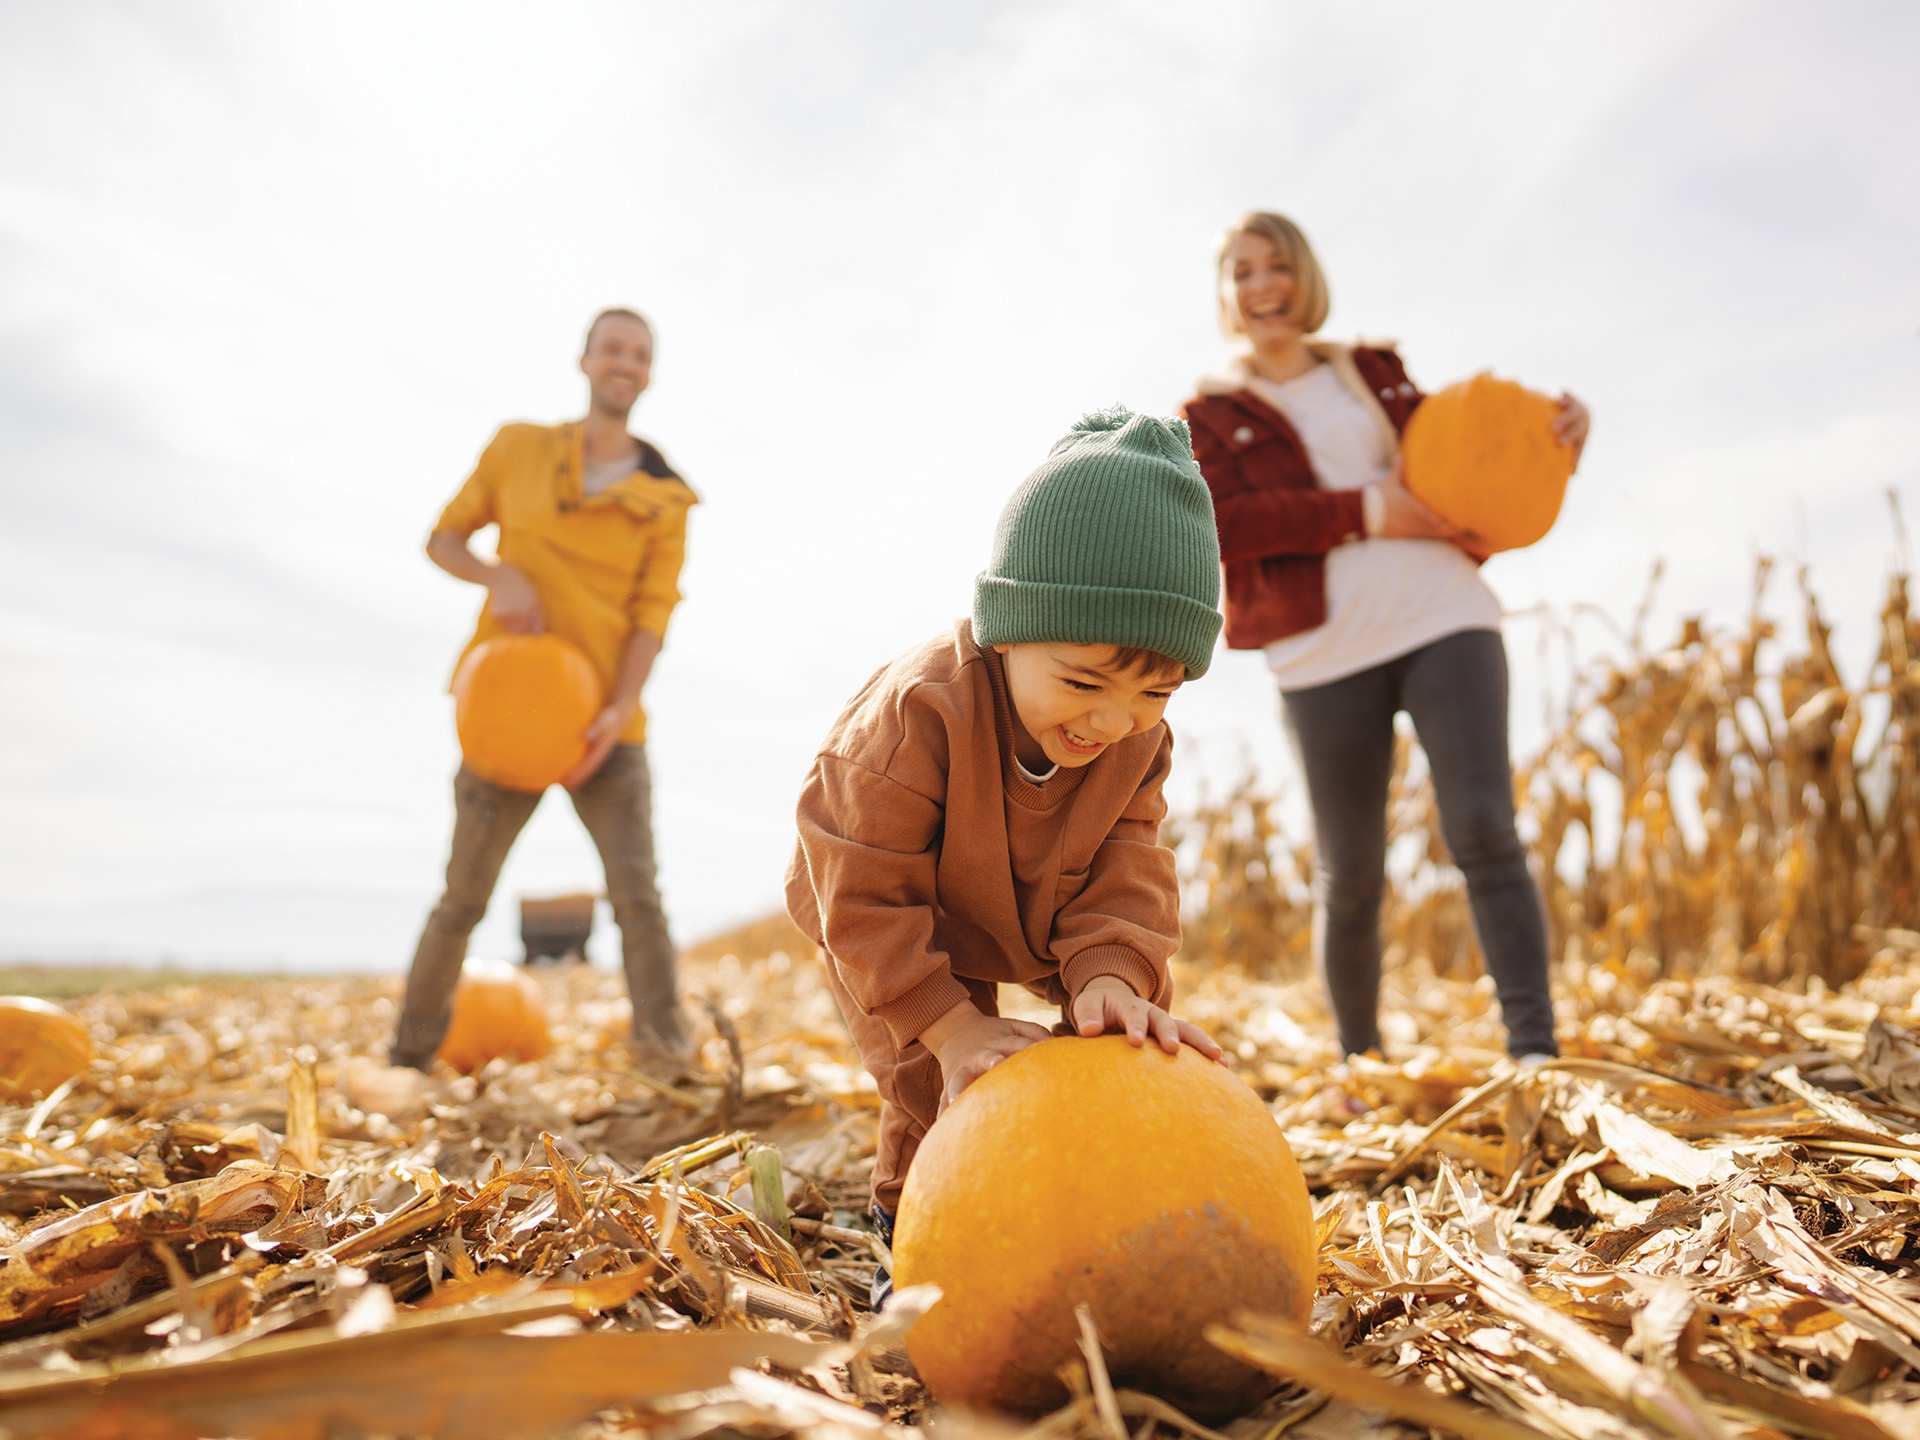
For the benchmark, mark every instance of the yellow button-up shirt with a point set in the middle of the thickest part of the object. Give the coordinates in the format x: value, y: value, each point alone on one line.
x: 603, y: 565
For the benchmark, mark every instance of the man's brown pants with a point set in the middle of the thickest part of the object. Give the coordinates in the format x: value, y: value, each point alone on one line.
x: 616, y: 806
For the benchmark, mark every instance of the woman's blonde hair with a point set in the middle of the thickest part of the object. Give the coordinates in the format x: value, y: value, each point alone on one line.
x: 1308, y: 307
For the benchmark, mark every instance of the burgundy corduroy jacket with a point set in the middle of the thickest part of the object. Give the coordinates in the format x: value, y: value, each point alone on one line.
x: 1276, y: 524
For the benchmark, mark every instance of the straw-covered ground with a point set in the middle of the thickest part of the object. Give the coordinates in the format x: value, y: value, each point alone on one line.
x: 1703, y: 1221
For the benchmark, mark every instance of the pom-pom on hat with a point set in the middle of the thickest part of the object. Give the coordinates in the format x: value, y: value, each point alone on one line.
x: 1109, y: 542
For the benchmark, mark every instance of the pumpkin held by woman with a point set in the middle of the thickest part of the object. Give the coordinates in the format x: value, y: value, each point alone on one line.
x: 1155, y: 1189
x: 1482, y: 454
x: 497, y: 1012
x: 522, y: 705
x: 41, y: 1047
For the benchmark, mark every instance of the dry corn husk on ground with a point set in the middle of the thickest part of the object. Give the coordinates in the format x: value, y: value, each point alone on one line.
x: 1704, y: 1220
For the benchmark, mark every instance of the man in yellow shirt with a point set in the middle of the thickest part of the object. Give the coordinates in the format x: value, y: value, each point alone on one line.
x: 592, y: 528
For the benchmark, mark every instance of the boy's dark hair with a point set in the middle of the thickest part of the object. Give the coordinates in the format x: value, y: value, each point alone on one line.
x: 1138, y: 659
x: 612, y: 312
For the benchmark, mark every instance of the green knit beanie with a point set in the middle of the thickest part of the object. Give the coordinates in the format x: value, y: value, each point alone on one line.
x: 1109, y: 542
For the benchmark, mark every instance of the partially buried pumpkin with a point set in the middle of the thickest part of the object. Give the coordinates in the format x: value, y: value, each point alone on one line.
x: 1155, y: 1189
x: 41, y: 1047
x: 497, y: 1013
x: 522, y: 705
x: 1482, y: 454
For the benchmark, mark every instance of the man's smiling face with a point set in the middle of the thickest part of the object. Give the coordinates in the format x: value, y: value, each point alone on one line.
x: 618, y: 363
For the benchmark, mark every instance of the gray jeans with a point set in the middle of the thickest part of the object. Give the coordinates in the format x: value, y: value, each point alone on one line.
x: 1455, y: 689
x: 616, y: 806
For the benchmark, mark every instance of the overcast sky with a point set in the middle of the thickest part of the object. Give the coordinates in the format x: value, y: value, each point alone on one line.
x: 271, y: 275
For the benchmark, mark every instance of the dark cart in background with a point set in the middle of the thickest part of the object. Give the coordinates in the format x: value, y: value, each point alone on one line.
x: 555, y: 928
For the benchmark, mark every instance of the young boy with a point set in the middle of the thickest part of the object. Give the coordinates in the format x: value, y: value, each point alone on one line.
x: 987, y: 809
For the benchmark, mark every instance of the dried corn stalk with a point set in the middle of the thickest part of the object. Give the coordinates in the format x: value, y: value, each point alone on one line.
x: 1728, y: 802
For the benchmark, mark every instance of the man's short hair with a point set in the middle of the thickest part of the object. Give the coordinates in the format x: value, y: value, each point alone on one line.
x: 613, y: 312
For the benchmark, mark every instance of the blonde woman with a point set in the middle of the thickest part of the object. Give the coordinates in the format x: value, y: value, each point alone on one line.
x: 1366, y: 603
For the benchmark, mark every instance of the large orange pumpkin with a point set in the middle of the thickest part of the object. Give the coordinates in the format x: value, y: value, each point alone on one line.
x: 1482, y: 454
x: 41, y: 1047
x: 522, y: 704
x: 497, y: 1012
x: 1155, y: 1189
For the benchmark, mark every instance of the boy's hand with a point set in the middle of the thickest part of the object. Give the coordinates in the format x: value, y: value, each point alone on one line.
x: 514, y: 602
x: 968, y: 1044
x: 1108, y: 1004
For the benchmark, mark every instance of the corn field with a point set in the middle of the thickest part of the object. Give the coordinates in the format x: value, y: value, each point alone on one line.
x: 1727, y: 804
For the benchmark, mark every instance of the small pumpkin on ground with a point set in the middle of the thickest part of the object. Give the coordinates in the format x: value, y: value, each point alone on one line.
x: 42, y: 1046
x: 497, y: 1012
x: 522, y: 704
x: 1156, y: 1189
x: 1482, y: 454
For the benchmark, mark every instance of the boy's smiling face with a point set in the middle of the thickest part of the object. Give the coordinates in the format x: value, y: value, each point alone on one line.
x: 1070, y: 702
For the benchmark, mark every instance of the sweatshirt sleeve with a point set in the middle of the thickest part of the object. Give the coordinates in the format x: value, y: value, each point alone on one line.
x: 1254, y: 524
x: 1125, y: 921
x: 869, y: 846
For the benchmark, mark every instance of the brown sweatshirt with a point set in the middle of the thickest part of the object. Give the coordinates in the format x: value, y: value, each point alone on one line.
x: 925, y: 854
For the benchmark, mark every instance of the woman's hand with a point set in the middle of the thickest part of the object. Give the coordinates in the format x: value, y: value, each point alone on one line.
x: 1403, y: 516
x: 514, y: 602
x: 1571, y: 425
x: 1108, y: 1005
